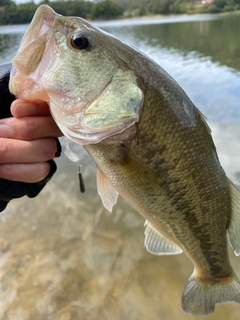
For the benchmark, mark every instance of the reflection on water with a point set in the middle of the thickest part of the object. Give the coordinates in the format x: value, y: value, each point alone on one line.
x: 215, y: 38
x: 203, y: 56
x: 64, y: 257
x: 8, y: 46
x: 10, y: 37
x: 156, y: 20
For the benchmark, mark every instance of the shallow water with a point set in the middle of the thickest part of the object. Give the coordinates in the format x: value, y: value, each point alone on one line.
x: 64, y: 257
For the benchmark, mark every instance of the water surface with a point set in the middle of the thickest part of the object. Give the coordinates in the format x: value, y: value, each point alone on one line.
x: 62, y: 255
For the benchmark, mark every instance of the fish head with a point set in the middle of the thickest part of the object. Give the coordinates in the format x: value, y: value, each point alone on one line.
x: 81, y: 72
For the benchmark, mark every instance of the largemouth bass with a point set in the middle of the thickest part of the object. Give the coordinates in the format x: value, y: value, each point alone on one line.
x: 150, y: 144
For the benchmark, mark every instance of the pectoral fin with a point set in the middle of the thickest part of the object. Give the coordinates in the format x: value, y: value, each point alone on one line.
x: 106, y: 191
x: 157, y: 244
x: 234, y: 226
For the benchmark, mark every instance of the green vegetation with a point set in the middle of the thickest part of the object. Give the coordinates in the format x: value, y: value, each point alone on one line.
x: 10, y: 13
x: 149, y: 7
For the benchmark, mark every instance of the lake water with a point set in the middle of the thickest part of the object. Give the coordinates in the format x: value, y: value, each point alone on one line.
x: 63, y: 256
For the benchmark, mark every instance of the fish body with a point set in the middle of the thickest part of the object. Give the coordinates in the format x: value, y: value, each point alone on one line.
x: 150, y: 144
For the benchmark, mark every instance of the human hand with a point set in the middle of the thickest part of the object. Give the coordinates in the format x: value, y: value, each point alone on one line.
x: 27, y: 142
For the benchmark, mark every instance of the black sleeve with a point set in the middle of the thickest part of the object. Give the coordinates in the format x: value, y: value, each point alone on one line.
x: 14, y: 189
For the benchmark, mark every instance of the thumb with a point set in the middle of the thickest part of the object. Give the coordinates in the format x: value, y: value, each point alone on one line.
x: 25, y: 108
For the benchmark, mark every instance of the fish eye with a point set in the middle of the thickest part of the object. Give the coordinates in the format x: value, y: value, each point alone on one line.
x: 79, y: 41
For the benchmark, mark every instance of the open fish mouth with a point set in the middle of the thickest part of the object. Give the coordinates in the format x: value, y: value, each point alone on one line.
x: 29, y: 65
x: 41, y: 23
x: 91, y: 95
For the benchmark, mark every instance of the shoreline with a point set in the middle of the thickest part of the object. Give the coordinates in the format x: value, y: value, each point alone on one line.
x: 156, y: 17
x: 160, y: 16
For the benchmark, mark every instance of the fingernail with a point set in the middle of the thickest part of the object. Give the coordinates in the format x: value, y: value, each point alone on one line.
x: 57, y: 154
x: 59, y: 149
x: 5, y: 131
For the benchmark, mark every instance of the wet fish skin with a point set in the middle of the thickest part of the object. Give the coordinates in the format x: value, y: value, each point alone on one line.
x: 161, y: 157
x: 171, y: 188
x: 187, y: 200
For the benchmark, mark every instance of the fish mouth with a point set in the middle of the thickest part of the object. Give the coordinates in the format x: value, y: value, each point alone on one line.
x: 28, y: 65
x: 81, y: 116
x: 41, y: 23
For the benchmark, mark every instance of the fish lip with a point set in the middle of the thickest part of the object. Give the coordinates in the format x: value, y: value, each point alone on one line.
x: 85, y: 138
x: 40, y: 27
x: 42, y: 21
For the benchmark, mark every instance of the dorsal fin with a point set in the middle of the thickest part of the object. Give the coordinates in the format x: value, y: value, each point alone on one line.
x: 106, y: 191
x: 204, y: 120
x: 157, y: 244
x: 234, y: 226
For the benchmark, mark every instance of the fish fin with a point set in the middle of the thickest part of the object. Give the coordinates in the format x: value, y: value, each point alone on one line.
x: 199, y: 298
x: 156, y: 243
x: 106, y: 191
x: 234, y: 225
x: 204, y: 120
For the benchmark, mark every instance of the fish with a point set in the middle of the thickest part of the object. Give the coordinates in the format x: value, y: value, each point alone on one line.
x: 149, y: 141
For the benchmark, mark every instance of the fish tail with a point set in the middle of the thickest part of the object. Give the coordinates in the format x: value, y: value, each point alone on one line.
x: 199, y: 298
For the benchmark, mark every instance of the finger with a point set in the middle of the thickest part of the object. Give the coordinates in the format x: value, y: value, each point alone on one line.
x: 32, y: 172
x: 29, y: 128
x: 25, y: 108
x: 20, y: 151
